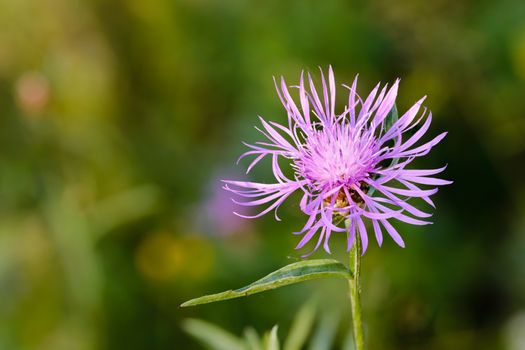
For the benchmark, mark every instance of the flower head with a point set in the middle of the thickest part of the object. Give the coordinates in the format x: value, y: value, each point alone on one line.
x: 349, y: 166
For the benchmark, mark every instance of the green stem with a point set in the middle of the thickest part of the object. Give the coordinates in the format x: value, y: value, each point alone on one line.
x: 355, y: 290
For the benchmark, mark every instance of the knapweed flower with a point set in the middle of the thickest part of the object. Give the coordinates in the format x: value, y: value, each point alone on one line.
x: 215, y: 214
x: 349, y: 166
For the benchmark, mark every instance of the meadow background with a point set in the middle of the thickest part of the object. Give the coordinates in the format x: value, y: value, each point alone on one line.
x: 119, y: 118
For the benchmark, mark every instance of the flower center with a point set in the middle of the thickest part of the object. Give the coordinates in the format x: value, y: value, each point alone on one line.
x: 337, y: 156
x: 342, y: 202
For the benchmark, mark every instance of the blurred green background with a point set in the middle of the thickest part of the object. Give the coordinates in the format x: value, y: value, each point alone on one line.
x: 119, y: 118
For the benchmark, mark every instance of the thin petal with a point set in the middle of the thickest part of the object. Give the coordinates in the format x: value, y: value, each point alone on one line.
x: 362, y: 234
x: 393, y: 233
x: 378, y: 233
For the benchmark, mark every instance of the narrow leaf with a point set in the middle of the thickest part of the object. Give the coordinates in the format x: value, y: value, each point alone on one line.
x: 252, y: 339
x: 301, y: 327
x: 271, y: 342
x: 348, y: 341
x: 212, y: 336
x: 324, y: 335
x: 294, y: 273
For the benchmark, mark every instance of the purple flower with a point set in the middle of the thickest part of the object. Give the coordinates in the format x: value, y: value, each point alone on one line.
x: 215, y: 215
x: 349, y: 166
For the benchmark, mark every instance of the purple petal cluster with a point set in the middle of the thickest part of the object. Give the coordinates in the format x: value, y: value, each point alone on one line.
x: 348, y: 166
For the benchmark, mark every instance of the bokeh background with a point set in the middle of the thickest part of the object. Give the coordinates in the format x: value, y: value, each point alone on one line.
x: 119, y: 118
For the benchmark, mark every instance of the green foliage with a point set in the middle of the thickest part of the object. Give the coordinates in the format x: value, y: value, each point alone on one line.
x: 301, y: 327
x: 301, y: 331
x: 271, y: 342
x: 293, y: 273
x: 252, y: 339
x: 324, y: 333
x: 212, y: 336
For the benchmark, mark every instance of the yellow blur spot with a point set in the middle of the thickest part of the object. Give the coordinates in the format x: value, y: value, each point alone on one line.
x: 162, y: 256
x: 429, y: 81
x: 518, y: 54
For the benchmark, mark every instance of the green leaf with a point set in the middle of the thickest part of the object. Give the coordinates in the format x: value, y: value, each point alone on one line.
x: 301, y: 327
x: 348, y: 341
x: 294, y: 273
x: 324, y: 335
x: 252, y: 339
x: 271, y: 342
x: 212, y: 336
